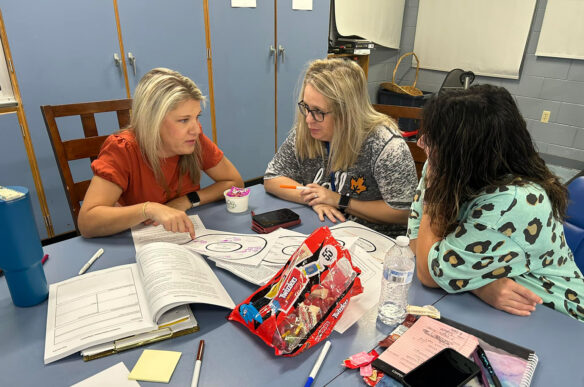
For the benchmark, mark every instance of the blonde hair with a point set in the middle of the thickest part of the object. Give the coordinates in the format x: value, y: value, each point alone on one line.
x: 343, y: 84
x: 160, y: 91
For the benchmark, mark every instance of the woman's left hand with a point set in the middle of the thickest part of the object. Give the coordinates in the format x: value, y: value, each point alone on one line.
x: 330, y: 212
x: 315, y: 194
x: 509, y: 296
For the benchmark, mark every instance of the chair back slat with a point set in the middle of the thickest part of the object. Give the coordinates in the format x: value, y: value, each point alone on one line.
x: 82, y: 148
x: 397, y: 112
x: 89, y: 124
x: 76, y: 109
x: 124, y: 118
x: 400, y: 111
x: 86, y: 146
x: 81, y: 189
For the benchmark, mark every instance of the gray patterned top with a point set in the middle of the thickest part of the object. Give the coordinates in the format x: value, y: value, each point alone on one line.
x: 384, y: 171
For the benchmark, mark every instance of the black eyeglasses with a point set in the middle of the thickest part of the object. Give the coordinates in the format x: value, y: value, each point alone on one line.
x: 316, y: 114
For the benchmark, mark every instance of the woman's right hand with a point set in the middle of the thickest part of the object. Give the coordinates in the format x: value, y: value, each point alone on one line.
x: 509, y: 296
x: 170, y: 218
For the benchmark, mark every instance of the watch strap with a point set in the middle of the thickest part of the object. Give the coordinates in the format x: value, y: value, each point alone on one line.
x: 344, y: 203
x: 194, y: 199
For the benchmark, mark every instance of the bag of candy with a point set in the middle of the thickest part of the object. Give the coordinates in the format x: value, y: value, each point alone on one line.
x: 301, y: 304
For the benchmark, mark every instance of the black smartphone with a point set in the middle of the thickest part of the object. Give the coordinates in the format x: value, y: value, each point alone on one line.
x: 271, y: 220
x: 447, y: 368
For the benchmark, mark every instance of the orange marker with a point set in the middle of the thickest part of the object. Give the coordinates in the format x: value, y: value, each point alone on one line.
x: 292, y: 186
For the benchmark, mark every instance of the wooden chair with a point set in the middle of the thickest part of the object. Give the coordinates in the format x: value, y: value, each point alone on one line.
x: 80, y: 148
x: 397, y: 112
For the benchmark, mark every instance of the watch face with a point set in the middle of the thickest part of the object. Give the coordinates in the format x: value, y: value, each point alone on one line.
x: 194, y: 198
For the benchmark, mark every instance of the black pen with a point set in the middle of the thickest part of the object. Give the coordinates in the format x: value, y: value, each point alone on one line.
x: 488, y: 366
x: 483, y: 380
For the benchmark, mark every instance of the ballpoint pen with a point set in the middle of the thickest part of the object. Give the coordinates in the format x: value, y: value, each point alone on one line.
x: 318, y: 363
x: 91, y: 260
x: 488, y: 366
x: 482, y: 376
x: 198, y: 364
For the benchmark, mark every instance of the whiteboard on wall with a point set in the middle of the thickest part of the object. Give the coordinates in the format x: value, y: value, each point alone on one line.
x: 6, y: 92
x: 379, y: 21
x: 487, y: 37
x: 562, y: 31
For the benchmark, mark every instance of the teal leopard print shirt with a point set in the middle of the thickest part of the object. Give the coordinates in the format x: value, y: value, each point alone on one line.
x: 506, y: 232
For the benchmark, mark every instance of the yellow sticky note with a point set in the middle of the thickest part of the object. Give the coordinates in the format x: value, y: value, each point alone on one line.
x: 155, y: 366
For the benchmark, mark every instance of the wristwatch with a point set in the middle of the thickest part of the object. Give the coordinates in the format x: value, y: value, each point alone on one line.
x: 194, y: 199
x: 344, y: 203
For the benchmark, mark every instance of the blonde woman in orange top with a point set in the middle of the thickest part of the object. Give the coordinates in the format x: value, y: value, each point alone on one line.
x: 150, y: 172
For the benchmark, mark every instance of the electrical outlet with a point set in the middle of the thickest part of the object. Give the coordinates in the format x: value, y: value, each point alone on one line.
x: 545, y: 116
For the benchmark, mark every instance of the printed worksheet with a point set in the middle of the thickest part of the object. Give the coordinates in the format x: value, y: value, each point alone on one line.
x: 423, y: 340
x: 371, y: 241
x: 127, y: 300
x: 258, y: 275
x: 371, y: 271
x: 143, y: 234
x: 244, y: 249
x: 94, y: 308
x: 285, y: 244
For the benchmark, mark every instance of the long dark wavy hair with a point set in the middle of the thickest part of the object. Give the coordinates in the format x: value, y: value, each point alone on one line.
x: 477, y: 139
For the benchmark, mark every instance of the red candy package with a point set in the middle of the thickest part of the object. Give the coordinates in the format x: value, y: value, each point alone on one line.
x: 301, y: 304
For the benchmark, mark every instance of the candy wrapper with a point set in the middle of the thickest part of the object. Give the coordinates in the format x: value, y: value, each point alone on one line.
x: 237, y: 192
x: 301, y: 304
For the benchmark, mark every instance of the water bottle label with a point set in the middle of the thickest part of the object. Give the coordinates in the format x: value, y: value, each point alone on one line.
x: 399, y: 277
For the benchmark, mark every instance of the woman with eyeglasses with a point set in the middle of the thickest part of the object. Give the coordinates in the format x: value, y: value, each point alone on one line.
x: 150, y: 172
x: 350, y: 160
x: 488, y: 213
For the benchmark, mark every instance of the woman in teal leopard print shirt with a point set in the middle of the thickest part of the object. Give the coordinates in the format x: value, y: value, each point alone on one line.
x: 488, y: 210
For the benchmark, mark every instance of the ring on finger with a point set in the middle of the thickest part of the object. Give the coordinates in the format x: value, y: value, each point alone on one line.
x: 315, y: 195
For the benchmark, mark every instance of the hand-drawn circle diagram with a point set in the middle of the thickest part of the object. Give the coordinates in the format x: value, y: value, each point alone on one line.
x: 369, y: 240
x: 224, y: 247
x: 284, y: 247
x: 229, y: 247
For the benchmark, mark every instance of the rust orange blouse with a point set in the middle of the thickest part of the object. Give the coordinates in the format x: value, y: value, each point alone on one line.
x: 120, y: 162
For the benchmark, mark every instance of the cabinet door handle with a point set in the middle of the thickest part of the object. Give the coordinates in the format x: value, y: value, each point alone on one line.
x: 272, y: 50
x: 281, y: 51
x: 117, y: 59
x: 132, y: 60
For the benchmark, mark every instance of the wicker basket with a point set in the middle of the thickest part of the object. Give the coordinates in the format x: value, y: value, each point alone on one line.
x: 409, y: 90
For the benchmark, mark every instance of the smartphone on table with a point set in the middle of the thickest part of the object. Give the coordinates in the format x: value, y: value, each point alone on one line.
x: 447, y: 368
x: 272, y: 220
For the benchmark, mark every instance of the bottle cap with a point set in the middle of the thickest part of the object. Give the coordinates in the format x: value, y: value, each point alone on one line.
x: 402, y: 241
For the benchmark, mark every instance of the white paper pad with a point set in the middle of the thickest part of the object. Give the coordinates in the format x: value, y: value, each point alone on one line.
x: 116, y: 375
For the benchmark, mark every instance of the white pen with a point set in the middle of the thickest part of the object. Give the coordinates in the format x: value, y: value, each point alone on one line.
x: 198, y: 363
x: 318, y: 363
x: 91, y: 260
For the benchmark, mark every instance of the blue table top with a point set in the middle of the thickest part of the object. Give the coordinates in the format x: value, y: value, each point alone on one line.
x: 233, y: 356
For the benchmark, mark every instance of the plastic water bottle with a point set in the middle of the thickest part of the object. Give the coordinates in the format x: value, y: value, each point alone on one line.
x: 398, y: 271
